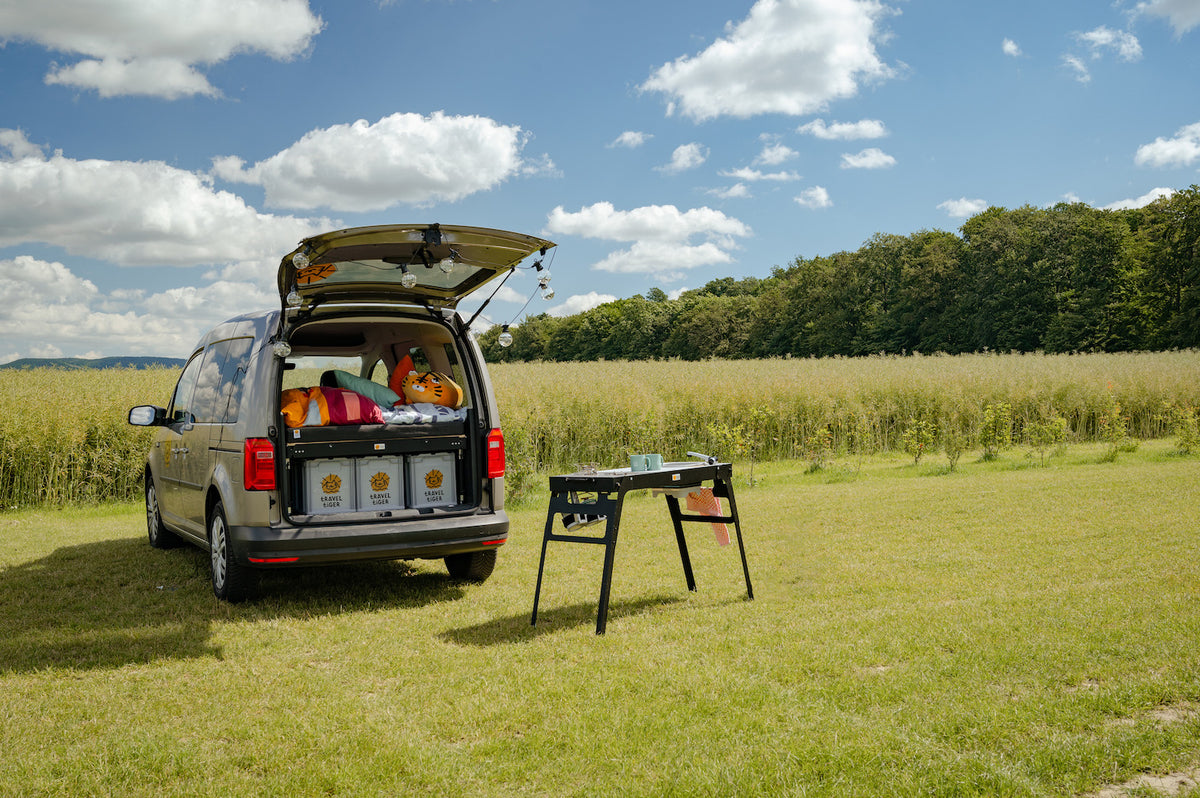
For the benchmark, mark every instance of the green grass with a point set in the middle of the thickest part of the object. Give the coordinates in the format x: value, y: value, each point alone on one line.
x: 1005, y: 629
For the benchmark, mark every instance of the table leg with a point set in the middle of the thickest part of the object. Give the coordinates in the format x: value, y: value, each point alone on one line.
x: 550, y: 513
x: 726, y: 487
x: 611, y: 526
x: 673, y: 506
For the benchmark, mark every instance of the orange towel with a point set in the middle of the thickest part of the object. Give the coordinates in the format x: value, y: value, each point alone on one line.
x: 704, y: 502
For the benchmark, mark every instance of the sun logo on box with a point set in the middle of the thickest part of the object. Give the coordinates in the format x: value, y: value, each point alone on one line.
x: 331, y: 483
x: 380, y: 482
x: 433, y: 479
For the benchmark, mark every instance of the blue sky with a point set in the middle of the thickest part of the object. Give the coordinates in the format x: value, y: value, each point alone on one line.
x: 157, y: 159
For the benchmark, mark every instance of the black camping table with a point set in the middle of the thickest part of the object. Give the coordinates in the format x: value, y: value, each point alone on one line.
x: 610, y: 487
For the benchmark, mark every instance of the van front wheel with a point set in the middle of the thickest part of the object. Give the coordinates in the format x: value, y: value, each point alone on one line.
x: 159, y: 537
x: 472, y: 566
x: 231, y: 581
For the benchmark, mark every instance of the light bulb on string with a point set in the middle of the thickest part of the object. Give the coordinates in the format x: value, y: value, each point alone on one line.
x: 408, y: 279
x: 547, y: 292
x: 505, y: 338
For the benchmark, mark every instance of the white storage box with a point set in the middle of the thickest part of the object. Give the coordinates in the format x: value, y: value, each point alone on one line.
x: 380, y: 483
x: 431, y: 480
x: 329, y: 485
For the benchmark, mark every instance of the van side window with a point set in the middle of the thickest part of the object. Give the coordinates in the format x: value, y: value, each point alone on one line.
x: 208, y: 385
x: 458, y: 374
x: 379, y: 373
x: 420, y: 361
x: 218, y: 390
x: 234, y: 362
x: 181, y: 400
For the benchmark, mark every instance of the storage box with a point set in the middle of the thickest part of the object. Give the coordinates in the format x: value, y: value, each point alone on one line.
x: 380, y: 483
x: 329, y: 485
x: 431, y: 481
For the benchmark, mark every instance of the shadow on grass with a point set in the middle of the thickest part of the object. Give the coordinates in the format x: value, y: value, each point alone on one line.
x: 516, y: 628
x: 119, y: 602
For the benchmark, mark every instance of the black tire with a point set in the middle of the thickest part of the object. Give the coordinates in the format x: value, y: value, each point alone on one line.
x: 472, y: 566
x: 231, y: 581
x: 160, y: 537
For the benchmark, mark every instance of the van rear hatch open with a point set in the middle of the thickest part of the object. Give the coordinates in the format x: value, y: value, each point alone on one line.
x: 426, y: 265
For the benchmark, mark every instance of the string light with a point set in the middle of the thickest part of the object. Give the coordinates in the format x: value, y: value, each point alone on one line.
x: 408, y: 279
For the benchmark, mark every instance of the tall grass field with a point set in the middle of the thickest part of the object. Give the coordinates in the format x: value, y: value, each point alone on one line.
x: 1009, y: 629
x: 63, y: 436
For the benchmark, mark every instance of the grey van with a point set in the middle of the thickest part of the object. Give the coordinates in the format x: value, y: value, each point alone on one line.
x: 231, y: 472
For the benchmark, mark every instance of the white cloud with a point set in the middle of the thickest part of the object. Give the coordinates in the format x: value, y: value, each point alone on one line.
x: 1142, y: 201
x: 870, y: 158
x: 686, y: 156
x: 155, y: 49
x: 1104, y: 38
x: 581, y: 303
x: 49, y: 311
x: 133, y: 212
x: 736, y: 191
x: 1076, y: 65
x: 775, y: 154
x: 18, y: 146
x: 816, y: 198
x: 1182, y: 150
x: 962, y: 208
x: 1182, y: 14
x: 862, y: 129
x: 787, y: 56
x: 755, y: 175
x: 631, y: 139
x: 45, y: 351
x: 665, y: 241
x: 509, y: 294
x: 1009, y: 47
x: 402, y: 158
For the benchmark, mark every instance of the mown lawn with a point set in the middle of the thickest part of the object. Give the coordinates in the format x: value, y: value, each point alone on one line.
x: 1005, y: 629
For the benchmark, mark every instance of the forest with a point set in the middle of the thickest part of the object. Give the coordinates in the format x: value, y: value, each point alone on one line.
x: 1068, y: 278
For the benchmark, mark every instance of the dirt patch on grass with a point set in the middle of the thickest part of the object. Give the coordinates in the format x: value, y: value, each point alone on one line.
x: 1166, y: 785
x: 1170, y: 784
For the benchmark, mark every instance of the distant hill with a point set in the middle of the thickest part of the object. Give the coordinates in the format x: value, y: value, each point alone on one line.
x: 80, y: 363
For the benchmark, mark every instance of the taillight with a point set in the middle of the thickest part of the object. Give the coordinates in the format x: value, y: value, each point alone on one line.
x: 495, y: 454
x: 259, y: 461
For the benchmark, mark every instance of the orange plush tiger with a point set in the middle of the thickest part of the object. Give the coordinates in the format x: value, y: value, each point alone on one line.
x: 432, y: 387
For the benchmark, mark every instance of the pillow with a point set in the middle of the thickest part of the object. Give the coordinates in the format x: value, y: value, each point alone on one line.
x: 396, y: 381
x: 293, y: 403
x: 379, y: 394
x: 342, y: 406
x: 432, y: 387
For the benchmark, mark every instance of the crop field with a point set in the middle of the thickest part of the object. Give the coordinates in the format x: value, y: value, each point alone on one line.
x: 63, y: 436
x: 1015, y: 627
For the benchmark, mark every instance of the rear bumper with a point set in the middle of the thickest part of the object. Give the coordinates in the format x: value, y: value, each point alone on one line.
x: 410, y: 539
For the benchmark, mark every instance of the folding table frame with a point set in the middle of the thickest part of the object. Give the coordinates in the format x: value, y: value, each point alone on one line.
x: 610, y: 488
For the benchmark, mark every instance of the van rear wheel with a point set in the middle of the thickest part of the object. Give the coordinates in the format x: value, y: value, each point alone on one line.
x: 231, y: 581
x: 472, y: 566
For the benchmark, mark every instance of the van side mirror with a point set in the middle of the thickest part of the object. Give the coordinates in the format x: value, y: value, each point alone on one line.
x: 147, y: 416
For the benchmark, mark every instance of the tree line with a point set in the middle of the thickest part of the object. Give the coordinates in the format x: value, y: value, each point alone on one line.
x: 1070, y: 278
